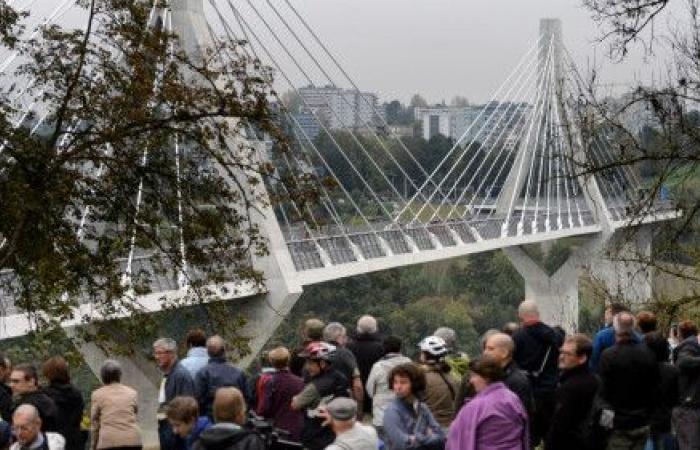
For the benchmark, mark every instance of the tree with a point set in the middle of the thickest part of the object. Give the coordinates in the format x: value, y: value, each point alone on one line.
x: 669, y: 152
x: 459, y: 102
x: 417, y: 101
x: 143, y: 152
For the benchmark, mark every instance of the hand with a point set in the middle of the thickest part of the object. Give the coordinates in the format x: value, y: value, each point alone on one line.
x: 322, y: 412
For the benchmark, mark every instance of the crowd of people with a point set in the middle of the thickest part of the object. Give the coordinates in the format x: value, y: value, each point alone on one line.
x: 629, y: 387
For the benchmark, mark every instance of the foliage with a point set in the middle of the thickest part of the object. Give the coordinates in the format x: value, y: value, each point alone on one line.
x: 143, y: 151
x: 470, y: 294
x: 667, y: 151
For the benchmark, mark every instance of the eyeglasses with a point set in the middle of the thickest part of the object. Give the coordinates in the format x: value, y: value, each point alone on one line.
x: 15, y: 381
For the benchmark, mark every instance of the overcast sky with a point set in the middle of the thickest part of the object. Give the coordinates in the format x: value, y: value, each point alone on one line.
x: 443, y: 48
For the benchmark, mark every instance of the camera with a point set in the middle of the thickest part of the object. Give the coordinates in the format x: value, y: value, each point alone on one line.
x: 274, y: 438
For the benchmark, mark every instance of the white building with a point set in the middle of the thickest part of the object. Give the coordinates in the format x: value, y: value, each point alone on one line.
x: 489, y: 123
x: 339, y: 108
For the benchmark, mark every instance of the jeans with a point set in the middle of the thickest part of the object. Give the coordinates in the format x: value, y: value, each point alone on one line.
x: 664, y: 441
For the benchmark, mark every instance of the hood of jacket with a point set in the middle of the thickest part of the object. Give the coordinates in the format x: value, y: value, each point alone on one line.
x: 222, y: 436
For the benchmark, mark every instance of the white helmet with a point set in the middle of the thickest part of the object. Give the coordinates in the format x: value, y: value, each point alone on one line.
x: 434, y: 345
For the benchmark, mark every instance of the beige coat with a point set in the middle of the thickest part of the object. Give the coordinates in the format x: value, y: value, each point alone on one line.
x: 113, y: 417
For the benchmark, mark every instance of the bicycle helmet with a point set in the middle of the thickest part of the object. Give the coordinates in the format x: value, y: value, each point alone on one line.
x: 433, y: 345
x: 319, y: 351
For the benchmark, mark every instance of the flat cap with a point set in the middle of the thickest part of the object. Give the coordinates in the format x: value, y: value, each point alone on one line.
x: 342, y: 408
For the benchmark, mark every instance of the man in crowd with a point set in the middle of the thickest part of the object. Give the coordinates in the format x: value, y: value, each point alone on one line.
x: 605, y: 338
x: 630, y: 378
x: 311, y: 332
x: 340, y: 416
x: 176, y: 381
x: 344, y: 361
x: 227, y: 433
x: 686, y: 331
x: 196, y: 342
x: 574, y: 397
x: 325, y: 383
x: 5, y: 390
x: 458, y: 361
x: 367, y: 348
x: 646, y: 322
x: 216, y: 374
x: 500, y: 348
x: 378, y: 384
x: 537, y: 352
x: 24, y: 382
x: 686, y: 416
x: 27, y: 428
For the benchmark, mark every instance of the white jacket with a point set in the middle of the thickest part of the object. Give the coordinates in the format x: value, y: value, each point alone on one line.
x: 378, y: 385
x: 55, y: 442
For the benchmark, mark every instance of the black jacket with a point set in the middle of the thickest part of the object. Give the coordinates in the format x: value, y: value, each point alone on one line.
x: 630, y: 376
x: 517, y: 381
x: 368, y: 349
x: 224, y: 436
x: 44, y: 404
x: 218, y: 373
x: 688, y: 363
x: 531, y: 345
x: 5, y: 402
x: 574, y: 398
x: 331, y: 383
x: 70, y: 405
x: 668, y: 391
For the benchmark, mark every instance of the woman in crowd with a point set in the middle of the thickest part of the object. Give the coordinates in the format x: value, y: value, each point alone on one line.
x: 69, y: 402
x: 494, y: 419
x: 408, y: 423
x: 183, y: 415
x: 113, y: 412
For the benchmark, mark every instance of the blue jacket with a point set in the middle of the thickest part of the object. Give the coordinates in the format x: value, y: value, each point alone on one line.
x: 401, y: 422
x: 197, y: 358
x: 202, y: 424
x: 218, y: 373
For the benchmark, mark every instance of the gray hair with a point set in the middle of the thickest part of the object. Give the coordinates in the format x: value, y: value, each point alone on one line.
x: 27, y: 410
x: 367, y: 324
x: 528, y: 308
x: 111, y: 372
x: 216, y: 346
x: 448, y: 335
x: 167, y: 344
x: 485, y: 337
x: 333, y: 331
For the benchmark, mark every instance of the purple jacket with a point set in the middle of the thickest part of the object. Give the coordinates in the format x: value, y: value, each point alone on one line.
x: 494, y: 420
x: 277, y: 394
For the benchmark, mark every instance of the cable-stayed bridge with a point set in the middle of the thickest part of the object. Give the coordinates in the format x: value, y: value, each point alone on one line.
x: 522, y: 172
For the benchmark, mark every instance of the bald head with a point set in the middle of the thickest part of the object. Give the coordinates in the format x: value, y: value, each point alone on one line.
x: 26, y: 424
x: 27, y: 411
x: 624, y: 325
x: 528, y: 311
x: 500, y: 347
x: 216, y: 347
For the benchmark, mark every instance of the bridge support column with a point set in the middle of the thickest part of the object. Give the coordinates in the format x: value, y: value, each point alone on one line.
x: 556, y: 294
x: 137, y: 372
x: 614, y: 260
